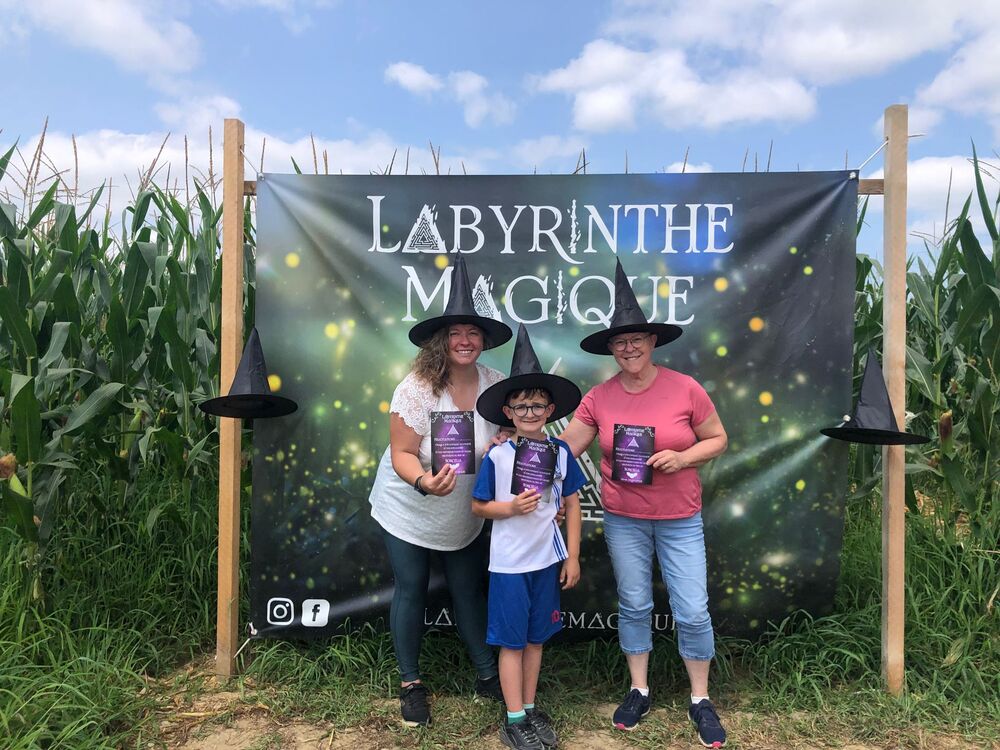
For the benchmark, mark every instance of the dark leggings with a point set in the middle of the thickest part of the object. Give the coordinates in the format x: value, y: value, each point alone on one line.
x: 464, y: 573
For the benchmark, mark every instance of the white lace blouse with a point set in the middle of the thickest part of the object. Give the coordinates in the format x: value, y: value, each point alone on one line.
x: 440, y: 523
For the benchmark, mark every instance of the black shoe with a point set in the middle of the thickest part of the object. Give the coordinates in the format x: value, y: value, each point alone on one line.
x: 633, y: 708
x: 489, y: 688
x: 413, y: 705
x: 542, y: 725
x: 520, y: 736
x: 710, y: 730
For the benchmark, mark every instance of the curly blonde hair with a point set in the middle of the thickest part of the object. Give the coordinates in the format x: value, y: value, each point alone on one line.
x: 431, y: 364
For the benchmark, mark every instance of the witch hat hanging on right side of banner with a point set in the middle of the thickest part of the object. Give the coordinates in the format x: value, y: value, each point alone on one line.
x: 250, y: 396
x: 873, y: 421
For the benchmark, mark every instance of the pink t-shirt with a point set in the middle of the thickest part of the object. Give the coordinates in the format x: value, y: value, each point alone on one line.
x: 674, y: 404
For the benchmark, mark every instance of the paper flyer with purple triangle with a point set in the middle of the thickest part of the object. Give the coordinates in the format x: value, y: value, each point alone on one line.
x: 534, y: 467
x: 632, y: 447
x: 453, y: 437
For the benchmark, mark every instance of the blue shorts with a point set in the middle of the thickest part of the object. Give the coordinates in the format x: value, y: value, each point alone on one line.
x: 524, y: 607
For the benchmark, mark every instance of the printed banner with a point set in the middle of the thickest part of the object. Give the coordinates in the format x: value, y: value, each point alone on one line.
x: 758, y: 270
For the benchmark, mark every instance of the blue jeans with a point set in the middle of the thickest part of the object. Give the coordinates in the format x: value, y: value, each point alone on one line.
x: 679, y: 545
x: 464, y: 572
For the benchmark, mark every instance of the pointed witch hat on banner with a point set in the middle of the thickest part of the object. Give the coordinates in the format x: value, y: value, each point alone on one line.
x: 627, y: 318
x: 526, y: 373
x: 249, y: 396
x: 873, y: 421
x: 462, y: 309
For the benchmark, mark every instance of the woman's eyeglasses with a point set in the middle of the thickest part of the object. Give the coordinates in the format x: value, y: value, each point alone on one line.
x: 620, y: 345
x: 521, y: 410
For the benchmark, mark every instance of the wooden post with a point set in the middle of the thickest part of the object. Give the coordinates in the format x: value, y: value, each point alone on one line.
x: 228, y: 607
x: 894, y: 367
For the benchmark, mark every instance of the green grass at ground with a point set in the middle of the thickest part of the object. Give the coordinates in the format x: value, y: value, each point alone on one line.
x: 130, y: 600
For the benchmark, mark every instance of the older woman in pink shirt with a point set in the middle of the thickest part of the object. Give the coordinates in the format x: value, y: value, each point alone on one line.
x: 661, y: 517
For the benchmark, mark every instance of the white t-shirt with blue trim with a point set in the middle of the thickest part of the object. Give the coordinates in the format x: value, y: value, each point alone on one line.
x: 522, y: 544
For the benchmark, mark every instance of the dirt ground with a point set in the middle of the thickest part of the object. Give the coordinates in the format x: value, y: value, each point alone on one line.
x: 224, y: 720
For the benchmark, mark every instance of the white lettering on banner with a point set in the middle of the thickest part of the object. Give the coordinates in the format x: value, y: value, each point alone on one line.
x: 377, y: 227
x: 506, y: 228
x: 704, y: 230
x: 571, y: 620
x: 443, y: 617
x: 477, y: 216
x: 515, y: 300
x: 543, y: 302
x: 413, y: 285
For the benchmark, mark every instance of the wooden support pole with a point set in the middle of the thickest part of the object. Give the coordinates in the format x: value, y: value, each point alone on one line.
x: 228, y: 607
x: 894, y: 367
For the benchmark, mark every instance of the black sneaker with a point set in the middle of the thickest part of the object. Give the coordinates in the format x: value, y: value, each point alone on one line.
x: 413, y: 705
x: 489, y: 688
x: 520, y: 736
x: 542, y: 725
x: 633, y: 708
x: 710, y: 730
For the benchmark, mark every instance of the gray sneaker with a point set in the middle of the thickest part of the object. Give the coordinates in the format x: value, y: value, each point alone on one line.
x: 520, y: 736
x: 542, y: 725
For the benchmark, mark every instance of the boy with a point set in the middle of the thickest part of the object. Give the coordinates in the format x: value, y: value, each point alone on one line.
x: 528, y: 557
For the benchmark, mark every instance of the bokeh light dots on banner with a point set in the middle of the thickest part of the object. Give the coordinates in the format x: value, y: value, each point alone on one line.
x: 761, y: 279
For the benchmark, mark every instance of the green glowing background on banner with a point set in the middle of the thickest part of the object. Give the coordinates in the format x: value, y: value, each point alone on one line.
x: 761, y: 279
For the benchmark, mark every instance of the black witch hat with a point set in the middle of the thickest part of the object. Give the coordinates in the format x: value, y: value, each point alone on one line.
x: 249, y: 396
x: 627, y: 318
x: 462, y: 309
x: 526, y: 373
x: 873, y: 421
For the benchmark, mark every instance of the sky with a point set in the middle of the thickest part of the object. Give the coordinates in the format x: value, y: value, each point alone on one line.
x: 506, y: 88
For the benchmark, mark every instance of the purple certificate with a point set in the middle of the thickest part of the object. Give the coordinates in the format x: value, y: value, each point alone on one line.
x: 534, y: 467
x: 453, y: 436
x: 633, y: 445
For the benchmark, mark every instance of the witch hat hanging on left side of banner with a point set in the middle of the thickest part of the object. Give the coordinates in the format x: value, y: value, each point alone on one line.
x: 250, y: 396
x: 873, y: 421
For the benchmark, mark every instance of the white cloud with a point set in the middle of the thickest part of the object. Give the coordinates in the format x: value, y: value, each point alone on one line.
x: 714, y: 62
x: 936, y: 184
x: 412, y: 77
x: 532, y: 152
x: 970, y: 82
x: 679, y: 166
x: 611, y: 83
x: 197, y: 114
x: 479, y: 104
x: 468, y: 88
x: 138, y: 36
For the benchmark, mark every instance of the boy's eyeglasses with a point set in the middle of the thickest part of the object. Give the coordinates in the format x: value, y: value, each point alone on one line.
x: 521, y: 410
x: 619, y: 345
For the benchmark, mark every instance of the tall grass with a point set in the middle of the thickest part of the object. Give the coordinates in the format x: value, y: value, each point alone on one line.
x: 127, y: 601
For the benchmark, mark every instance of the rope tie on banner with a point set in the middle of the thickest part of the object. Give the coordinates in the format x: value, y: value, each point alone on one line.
x: 885, y: 142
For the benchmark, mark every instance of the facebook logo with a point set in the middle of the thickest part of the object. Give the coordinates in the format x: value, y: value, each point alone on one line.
x: 315, y: 613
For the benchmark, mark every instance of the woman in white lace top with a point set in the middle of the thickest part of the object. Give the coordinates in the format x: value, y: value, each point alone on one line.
x: 420, y: 511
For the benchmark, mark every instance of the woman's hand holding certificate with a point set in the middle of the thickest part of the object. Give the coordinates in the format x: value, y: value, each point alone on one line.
x: 667, y: 461
x: 439, y: 484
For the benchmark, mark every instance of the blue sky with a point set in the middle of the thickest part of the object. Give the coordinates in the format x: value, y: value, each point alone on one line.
x: 507, y: 87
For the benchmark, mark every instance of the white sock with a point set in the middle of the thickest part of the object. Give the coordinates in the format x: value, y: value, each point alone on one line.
x: 643, y: 691
x: 695, y: 699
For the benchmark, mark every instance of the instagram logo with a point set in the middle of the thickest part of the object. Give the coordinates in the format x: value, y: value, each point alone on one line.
x: 280, y: 611
x: 315, y: 613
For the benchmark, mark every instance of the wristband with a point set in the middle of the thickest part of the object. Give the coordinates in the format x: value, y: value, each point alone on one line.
x: 417, y: 487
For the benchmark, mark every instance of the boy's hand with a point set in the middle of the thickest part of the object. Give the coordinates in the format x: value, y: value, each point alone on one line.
x: 524, y: 503
x: 439, y: 484
x: 570, y: 575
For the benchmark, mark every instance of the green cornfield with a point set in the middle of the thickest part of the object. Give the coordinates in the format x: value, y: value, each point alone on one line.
x: 109, y: 340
